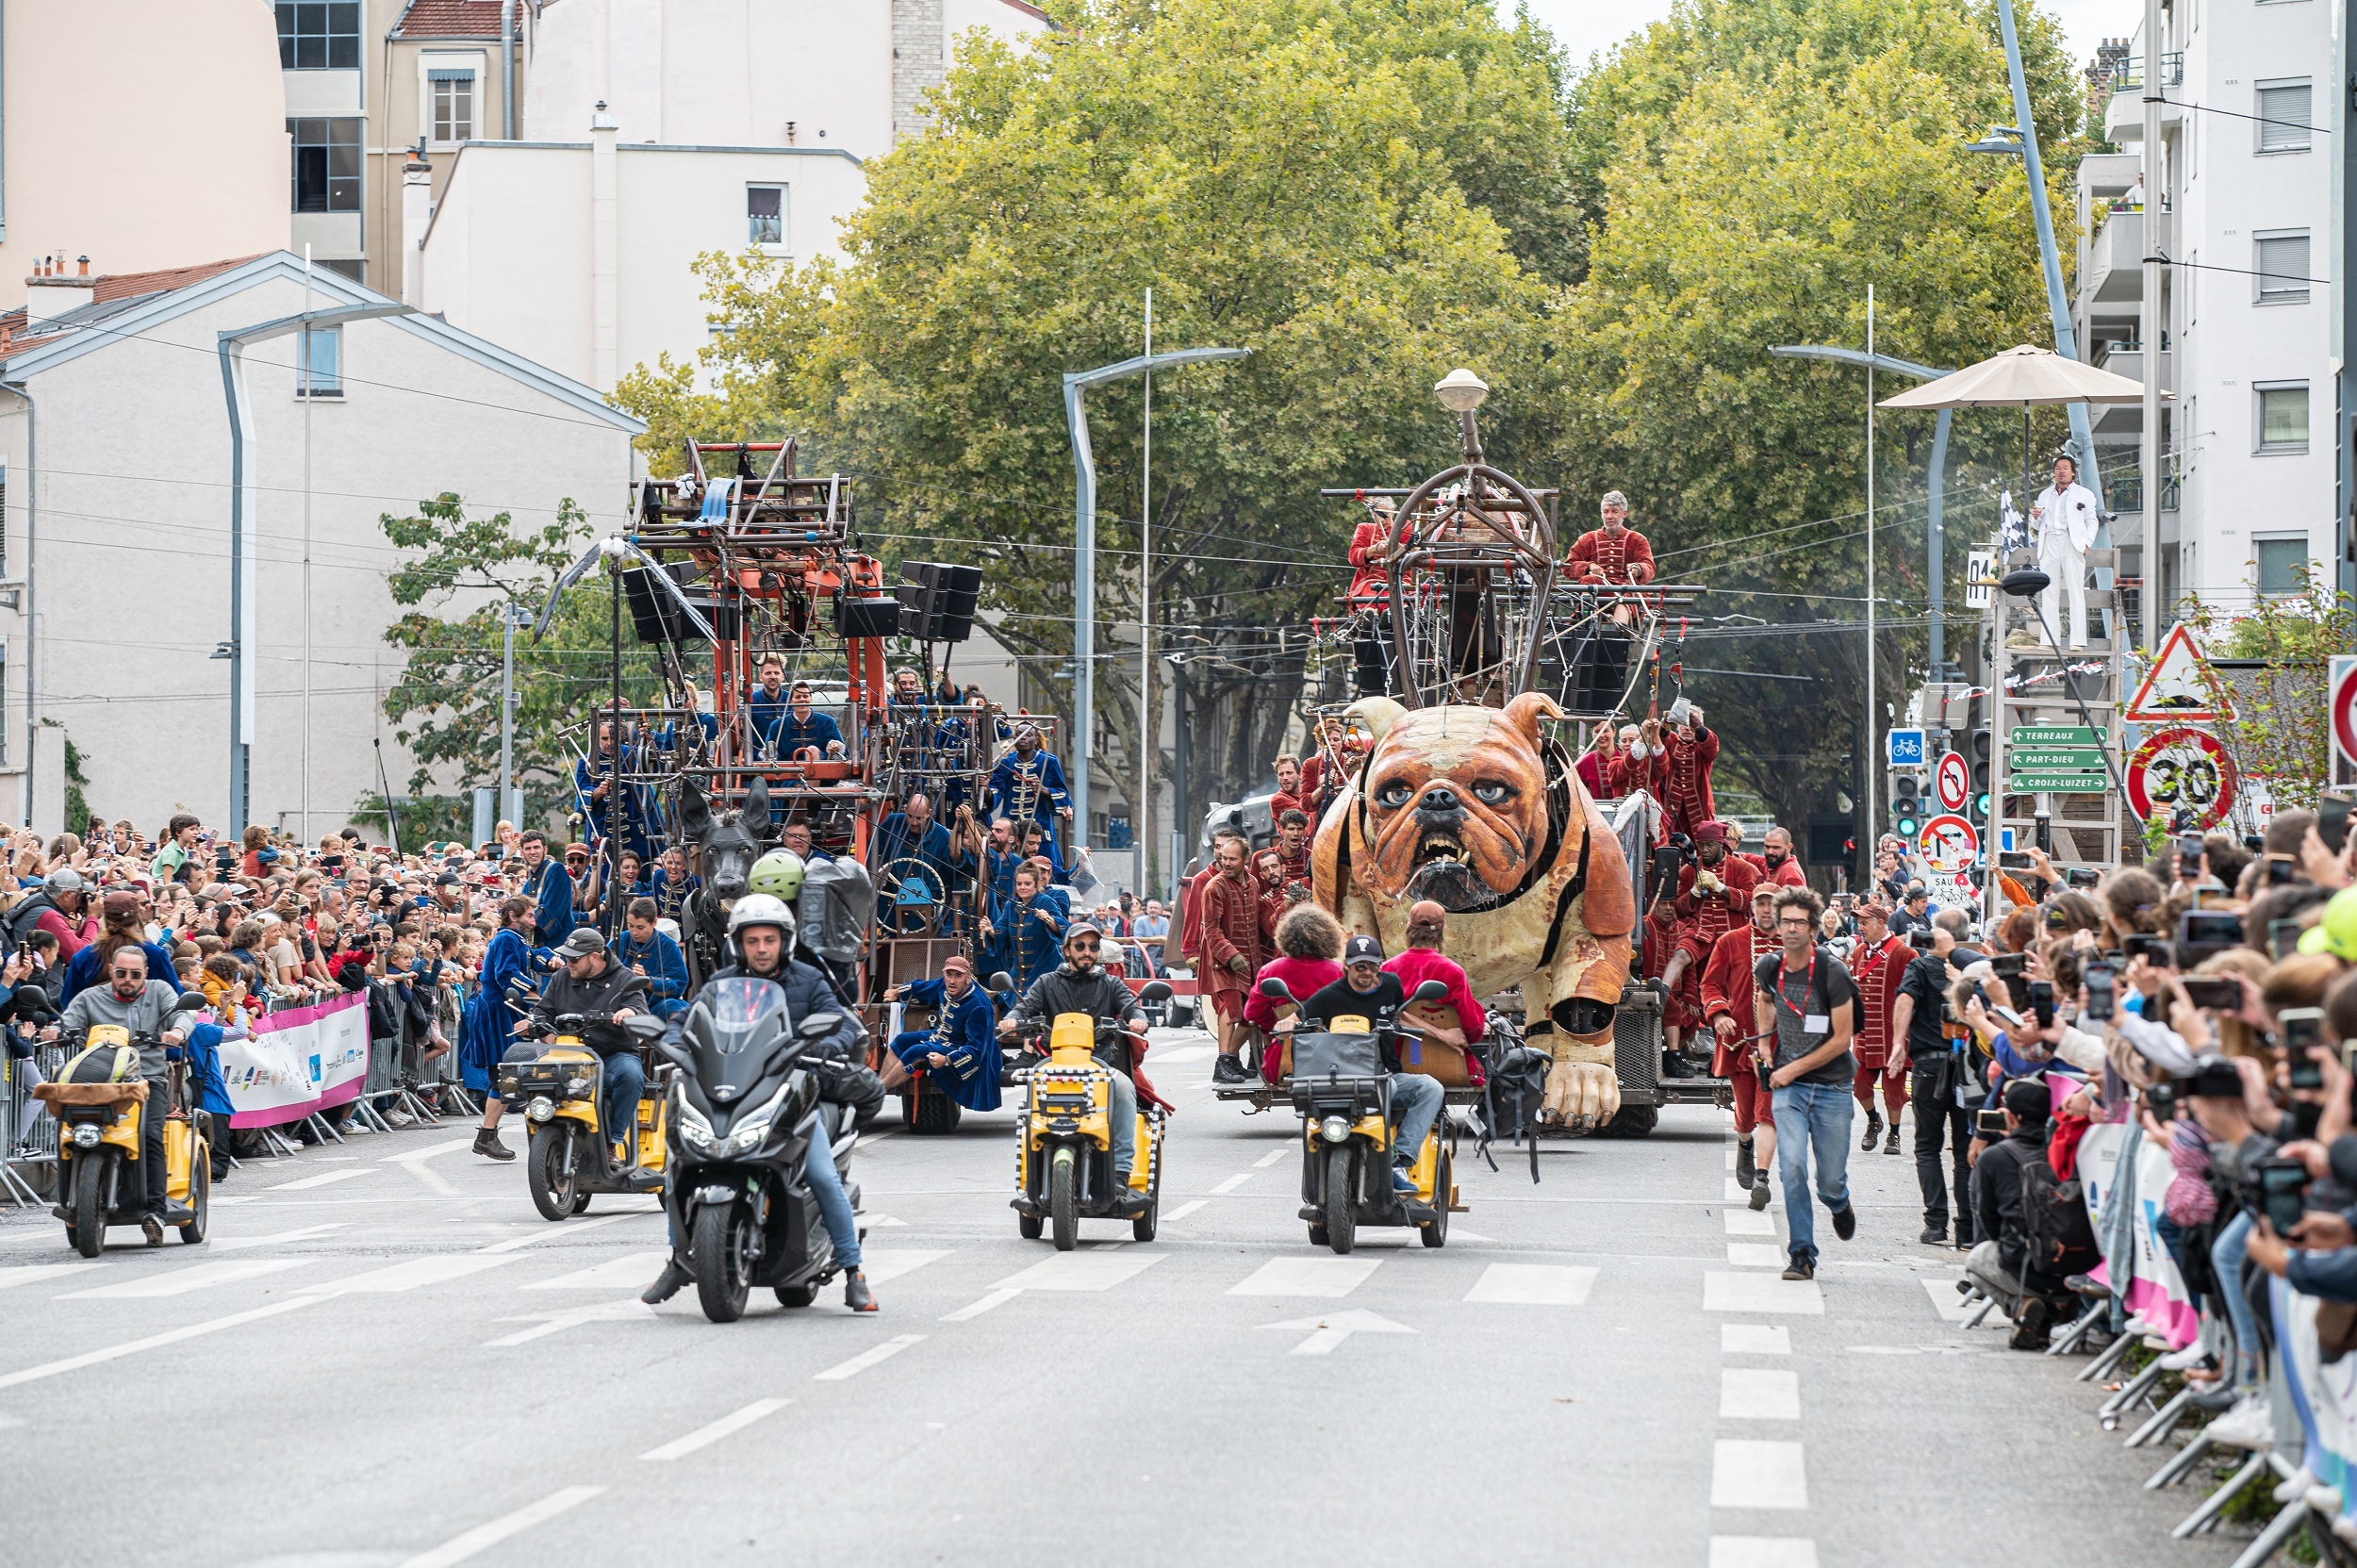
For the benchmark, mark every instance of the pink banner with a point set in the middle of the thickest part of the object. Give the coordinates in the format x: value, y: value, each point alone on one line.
x: 299, y: 1061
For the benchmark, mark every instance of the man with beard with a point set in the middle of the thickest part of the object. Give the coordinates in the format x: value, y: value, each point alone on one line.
x: 1713, y: 889
x: 1614, y: 552
x: 1080, y: 984
x: 1233, y: 951
x: 1726, y: 988
x: 1292, y: 845
x: 1783, y: 868
x: 1288, y: 796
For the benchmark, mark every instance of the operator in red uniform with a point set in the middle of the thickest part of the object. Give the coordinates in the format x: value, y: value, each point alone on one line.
x: 1689, y: 751
x: 1613, y: 554
x: 1877, y: 963
x: 1713, y: 890
x: 1726, y: 990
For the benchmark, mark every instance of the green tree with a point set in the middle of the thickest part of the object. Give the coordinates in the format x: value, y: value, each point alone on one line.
x: 2281, y: 728
x: 1363, y: 192
x: 467, y: 573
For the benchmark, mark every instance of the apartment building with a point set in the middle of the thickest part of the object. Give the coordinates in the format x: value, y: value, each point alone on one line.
x: 2243, y: 214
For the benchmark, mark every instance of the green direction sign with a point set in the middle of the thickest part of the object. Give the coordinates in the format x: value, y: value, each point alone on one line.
x: 2044, y: 758
x: 2050, y: 734
x: 2058, y: 783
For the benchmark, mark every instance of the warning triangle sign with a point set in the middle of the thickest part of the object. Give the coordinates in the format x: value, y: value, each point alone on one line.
x: 2176, y: 688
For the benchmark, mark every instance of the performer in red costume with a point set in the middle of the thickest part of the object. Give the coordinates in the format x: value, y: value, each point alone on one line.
x: 1613, y: 554
x: 1727, y: 989
x: 1637, y: 763
x: 1689, y: 751
x: 1712, y: 893
x: 1877, y: 964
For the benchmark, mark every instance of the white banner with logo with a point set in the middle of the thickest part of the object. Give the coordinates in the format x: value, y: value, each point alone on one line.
x: 2157, y: 1291
x: 294, y: 1063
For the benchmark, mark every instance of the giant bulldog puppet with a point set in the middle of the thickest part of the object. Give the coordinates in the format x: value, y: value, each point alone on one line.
x: 1477, y: 810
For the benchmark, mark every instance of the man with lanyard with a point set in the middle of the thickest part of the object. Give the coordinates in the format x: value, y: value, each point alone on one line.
x: 2065, y: 516
x: 654, y: 958
x: 1878, y: 963
x: 761, y: 928
x: 1079, y: 985
x: 549, y: 888
x: 1726, y: 991
x: 959, y: 1053
x: 1805, y: 1011
x: 1369, y: 991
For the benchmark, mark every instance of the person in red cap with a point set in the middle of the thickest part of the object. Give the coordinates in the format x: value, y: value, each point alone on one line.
x: 1726, y: 990
x: 1713, y: 891
x: 1423, y: 960
x: 1877, y: 963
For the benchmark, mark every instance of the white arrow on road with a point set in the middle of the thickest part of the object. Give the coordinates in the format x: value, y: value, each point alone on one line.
x: 1332, y: 1329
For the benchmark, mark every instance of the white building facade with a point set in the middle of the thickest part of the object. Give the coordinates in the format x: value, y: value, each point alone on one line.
x: 114, y: 582
x: 2244, y: 214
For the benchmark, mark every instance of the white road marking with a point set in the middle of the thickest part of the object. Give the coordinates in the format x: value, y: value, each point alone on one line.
x: 408, y: 1276
x: 1272, y: 1157
x: 1743, y: 1195
x: 26, y: 1274
x: 1184, y: 1210
x: 1761, y: 1293
x: 889, y: 1263
x: 1172, y: 1056
x: 1742, y: 1222
x: 1310, y: 1276
x: 569, y: 1227
x: 1745, y: 1474
x: 1756, y: 1255
x: 1327, y: 1332
x: 703, y: 1436
x: 867, y: 1359
x: 1534, y: 1284
x: 172, y: 1336
x: 1082, y: 1271
x: 624, y: 1311
x: 1231, y: 1184
x: 415, y: 1160
x: 179, y: 1281
x: 239, y: 1244
x: 1755, y: 1339
x: 323, y: 1179
x: 458, y: 1548
x: 976, y: 1309
x: 1953, y: 1306
x: 1759, y: 1394
x: 879, y: 1221
x: 1730, y: 1159
x: 631, y: 1268
x: 236, y: 1197
x: 1762, y: 1551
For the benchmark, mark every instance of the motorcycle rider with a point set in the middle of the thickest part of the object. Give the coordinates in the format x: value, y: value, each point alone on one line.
x: 1374, y: 993
x: 593, y: 982
x: 133, y: 1001
x: 1080, y: 985
x: 762, y: 929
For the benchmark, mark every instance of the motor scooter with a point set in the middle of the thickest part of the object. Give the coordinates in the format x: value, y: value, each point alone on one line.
x: 100, y: 1125
x: 1063, y: 1138
x: 570, y: 1153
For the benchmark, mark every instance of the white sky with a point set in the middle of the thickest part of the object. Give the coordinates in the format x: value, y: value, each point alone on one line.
x: 1586, y: 26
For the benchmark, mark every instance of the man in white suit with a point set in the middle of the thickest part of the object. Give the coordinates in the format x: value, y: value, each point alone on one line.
x: 2065, y: 517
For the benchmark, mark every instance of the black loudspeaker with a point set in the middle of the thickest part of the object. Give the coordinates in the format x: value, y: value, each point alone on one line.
x: 961, y: 588
x: 919, y: 596
x: 1599, y: 673
x: 868, y: 618
x: 657, y: 616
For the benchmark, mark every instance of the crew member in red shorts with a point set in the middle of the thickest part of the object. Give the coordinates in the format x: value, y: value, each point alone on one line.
x: 1712, y: 891
x: 1234, y: 947
x: 1726, y: 1002
x: 1877, y: 964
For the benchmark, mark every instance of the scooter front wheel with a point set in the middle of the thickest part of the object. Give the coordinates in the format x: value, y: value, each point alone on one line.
x: 717, y: 1254
x: 1064, y: 1199
x: 1342, y: 1216
x: 553, y: 1191
x: 86, y: 1215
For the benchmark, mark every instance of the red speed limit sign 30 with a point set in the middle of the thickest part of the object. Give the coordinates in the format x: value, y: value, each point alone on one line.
x: 2343, y: 716
x: 2183, y: 769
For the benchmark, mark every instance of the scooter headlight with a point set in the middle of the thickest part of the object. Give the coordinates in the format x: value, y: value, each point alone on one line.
x: 695, y: 1128
x: 541, y: 1108
x: 86, y: 1135
x: 1335, y: 1130
x: 754, y: 1131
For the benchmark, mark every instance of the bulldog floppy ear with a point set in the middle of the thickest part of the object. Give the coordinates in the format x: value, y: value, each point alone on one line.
x: 1525, y: 711
x: 1379, y: 714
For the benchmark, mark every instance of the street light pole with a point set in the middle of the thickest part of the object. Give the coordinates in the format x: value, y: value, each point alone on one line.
x: 2152, y: 327
x: 1870, y: 829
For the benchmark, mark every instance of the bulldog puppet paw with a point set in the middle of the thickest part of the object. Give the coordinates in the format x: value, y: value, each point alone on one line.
x: 1581, y: 1095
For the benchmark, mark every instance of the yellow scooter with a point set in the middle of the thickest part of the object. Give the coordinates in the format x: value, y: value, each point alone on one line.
x: 1063, y: 1138
x: 100, y: 1121
x: 570, y: 1155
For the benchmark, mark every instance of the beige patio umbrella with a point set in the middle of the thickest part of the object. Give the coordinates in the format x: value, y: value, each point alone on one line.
x: 2031, y: 376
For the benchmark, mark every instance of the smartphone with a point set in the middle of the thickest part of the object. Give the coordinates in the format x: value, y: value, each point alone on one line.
x: 2307, y: 1073
x: 2005, y: 1014
x: 2203, y: 932
x: 2153, y: 950
x: 2014, y: 860
x: 1990, y: 1122
x: 2188, y: 856
x: 2282, y: 1192
x: 2220, y: 993
x: 2082, y: 876
x: 2282, y: 939
x: 2297, y: 1029
x: 2042, y: 1002
x: 2102, y: 991
x: 2007, y: 965
x: 2333, y: 821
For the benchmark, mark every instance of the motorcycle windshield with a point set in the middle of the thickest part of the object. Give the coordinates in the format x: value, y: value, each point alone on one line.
x: 737, y: 1032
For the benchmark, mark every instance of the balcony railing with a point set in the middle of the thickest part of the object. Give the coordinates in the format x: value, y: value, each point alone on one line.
x: 2123, y: 491
x: 2131, y: 72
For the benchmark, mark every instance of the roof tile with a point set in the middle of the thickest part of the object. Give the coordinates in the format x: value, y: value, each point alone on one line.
x: 450, y: 18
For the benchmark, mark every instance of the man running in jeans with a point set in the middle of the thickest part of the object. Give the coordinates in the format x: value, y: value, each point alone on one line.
x: 1805, y: 1001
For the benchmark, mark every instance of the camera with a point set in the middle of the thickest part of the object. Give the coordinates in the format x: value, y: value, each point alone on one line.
x: 2153, y: 950
x: 2188, y: 855
x: 2203, y: 932
x: 2299, y: 1030
x: 2281, y: 872
x: 2161, y: 1100
x: 2042, y: 1002
x: 2082, y: 876
x: 2218, y: 993
x: 2333, y: 821
x: 2014, y: 860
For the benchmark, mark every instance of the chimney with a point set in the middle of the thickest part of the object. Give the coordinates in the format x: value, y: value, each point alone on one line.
x: 51, y: 291
x: 604, y: 254
x: 417, y: 212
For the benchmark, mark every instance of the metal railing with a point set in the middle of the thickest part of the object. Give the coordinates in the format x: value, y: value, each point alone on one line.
x: 2130, y: 76
x: 2124, y: 492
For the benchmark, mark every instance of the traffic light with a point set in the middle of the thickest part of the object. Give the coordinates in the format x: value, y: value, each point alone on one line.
x: 1977, y: 750
x: 1907, y: 804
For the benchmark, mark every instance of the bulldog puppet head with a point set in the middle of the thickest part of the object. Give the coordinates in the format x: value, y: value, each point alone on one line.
x: 1456, y: 798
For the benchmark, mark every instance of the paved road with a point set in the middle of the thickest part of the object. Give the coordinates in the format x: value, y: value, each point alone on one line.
x: 385, y: 1357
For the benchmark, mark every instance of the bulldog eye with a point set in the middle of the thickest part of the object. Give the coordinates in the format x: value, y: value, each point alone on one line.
x: 1489, y: 792
x: 1393, y: 795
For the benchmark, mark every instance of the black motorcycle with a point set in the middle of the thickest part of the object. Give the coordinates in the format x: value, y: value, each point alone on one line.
x: 745, y: 1105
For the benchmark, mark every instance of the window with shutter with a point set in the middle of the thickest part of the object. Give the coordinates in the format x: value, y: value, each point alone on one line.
x: 2283, y: 123
x: 2281, y: 261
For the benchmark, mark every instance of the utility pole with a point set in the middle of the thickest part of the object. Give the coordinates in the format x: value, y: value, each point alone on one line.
x: 1143, y: 835
x: 1870, y: 830
x: 507, y: 712
x: 2152, y: 326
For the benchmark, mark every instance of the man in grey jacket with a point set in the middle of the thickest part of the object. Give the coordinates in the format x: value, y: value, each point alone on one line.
x: 131, y: 1000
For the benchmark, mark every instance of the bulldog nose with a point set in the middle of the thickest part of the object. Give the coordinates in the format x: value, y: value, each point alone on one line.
x: 1439, y: 797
